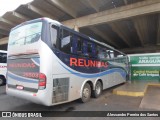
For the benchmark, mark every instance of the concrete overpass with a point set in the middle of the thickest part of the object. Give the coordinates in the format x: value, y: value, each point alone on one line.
x: 132, y: 26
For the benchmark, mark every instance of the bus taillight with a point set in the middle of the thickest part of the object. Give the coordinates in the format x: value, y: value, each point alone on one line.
x: 42, y: 81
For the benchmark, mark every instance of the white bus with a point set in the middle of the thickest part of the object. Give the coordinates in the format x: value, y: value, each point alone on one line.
x: 51, y: 64
x: 3, y: 67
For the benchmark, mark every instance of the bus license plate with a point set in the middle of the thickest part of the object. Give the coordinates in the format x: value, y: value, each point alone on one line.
x: 20, y: 87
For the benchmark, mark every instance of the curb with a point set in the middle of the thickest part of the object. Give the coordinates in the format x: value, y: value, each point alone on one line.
x: 134, y: 94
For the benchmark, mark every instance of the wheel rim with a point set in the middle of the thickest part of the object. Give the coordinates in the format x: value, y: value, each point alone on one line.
x: 98, y: 89
x: 86, y: 93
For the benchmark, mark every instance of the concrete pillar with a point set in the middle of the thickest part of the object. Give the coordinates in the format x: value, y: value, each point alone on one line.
x: 76, y: 28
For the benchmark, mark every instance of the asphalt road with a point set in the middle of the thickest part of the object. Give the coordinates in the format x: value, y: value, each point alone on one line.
x: 106, y: 102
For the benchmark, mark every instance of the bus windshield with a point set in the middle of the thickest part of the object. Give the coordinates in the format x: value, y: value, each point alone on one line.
x: 26, y: 34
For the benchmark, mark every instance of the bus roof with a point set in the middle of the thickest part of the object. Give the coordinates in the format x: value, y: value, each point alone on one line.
x: 61, y: 25
x: 38, y: 19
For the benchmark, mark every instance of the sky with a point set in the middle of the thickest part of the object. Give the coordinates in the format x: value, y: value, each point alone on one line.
x: 10, y: 5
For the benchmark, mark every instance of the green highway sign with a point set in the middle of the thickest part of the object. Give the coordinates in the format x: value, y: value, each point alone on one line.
x: 145, y: 73
x: 145, y: 67
x: 148, y: 59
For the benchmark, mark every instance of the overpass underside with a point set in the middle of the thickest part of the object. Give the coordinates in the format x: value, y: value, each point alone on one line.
x: 132, y: 26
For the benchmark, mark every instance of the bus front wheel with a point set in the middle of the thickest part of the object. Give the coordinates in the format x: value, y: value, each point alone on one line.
x: 98, y: 89
x: 86, y: 93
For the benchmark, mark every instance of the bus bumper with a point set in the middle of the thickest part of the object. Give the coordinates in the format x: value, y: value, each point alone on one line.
x: 38, y: 98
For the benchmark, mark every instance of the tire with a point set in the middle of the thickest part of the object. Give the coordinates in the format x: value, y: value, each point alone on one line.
x: 2, y: 81
x: 86, y: 93
x: 98, y: 89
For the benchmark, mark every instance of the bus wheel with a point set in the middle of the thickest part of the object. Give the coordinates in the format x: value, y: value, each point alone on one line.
x: 86, y: 93
x: 2, y: 80
x: 98, y: 89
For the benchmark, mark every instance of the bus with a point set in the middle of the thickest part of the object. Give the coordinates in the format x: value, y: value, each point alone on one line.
x: 3, y: 67
x: 50, y: 64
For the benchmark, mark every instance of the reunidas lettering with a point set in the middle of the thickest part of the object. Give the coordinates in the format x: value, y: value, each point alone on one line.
x: 87, y: 63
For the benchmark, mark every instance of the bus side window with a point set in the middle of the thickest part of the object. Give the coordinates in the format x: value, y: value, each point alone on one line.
x: 84, y: 48
x: 54, y: 35
x: 66, y: 42
x: 89, y: 49
x: 100, y: 52
x: 74, y: 45
x: 110, y: 53
x: 118, y: 54
x: 120, y: 58
x: 79, y: 46
x: 94, y: 52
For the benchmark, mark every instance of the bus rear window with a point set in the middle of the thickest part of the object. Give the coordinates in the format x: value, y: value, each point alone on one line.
x: 26, y: 34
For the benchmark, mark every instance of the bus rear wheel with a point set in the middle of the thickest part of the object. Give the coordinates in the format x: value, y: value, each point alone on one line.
x: 2, y: 80
x: 98, y: 89
x: 86, y: 93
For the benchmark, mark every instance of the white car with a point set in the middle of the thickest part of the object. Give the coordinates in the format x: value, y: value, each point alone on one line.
x: 3, y: 67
